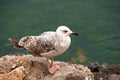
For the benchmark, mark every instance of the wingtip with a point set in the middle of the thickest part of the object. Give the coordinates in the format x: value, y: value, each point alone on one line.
x: 9, y: 39
x: 13, y: 40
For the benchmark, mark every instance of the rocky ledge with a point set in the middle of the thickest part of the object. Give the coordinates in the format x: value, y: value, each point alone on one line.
x: 28, y: 67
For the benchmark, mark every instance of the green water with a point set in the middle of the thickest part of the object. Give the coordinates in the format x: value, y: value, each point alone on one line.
x: 96, y: 21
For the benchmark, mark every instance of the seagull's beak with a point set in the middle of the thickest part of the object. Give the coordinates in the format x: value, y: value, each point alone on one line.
x: 74, y: 33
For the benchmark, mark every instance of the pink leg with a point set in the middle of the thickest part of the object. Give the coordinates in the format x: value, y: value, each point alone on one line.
x: 54, y: 68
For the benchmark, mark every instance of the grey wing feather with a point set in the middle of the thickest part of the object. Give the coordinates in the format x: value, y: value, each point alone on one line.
x: 45, y: 45
x: 51, y: 33
x: 39, y: 44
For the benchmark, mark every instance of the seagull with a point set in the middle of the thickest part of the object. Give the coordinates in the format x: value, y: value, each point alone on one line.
x: 48, y: 44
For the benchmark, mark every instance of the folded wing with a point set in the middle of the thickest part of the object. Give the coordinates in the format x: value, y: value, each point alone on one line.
x: 38, y: 44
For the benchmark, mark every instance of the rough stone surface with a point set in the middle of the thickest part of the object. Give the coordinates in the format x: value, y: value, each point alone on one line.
x: 105, y: 71
x: 36, y: 68
x: 16, y: 74
x: 71, y: 72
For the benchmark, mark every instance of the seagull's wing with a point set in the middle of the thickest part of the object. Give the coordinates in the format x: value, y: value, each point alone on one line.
x: 39, y: 44
x: 45, y: 44
x: 50, y: 33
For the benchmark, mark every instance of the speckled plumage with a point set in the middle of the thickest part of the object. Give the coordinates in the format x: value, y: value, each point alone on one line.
x: 48, y: 44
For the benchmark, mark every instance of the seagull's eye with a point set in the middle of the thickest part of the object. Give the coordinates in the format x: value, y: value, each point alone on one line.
x: 65, y: 31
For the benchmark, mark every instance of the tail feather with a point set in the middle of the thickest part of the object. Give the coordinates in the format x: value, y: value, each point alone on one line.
x: 15, y: 42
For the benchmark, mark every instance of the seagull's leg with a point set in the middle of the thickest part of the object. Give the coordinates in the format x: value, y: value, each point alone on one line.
x: 53, y: 67
x: 48, y: 54
x: 51, y: 64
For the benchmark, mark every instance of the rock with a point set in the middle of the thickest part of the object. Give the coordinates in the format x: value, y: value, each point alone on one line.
x: 71, y: 72
x: 105, y: 71
x: 36, y: 68
x: 16, y: 74
x: 114, y: 77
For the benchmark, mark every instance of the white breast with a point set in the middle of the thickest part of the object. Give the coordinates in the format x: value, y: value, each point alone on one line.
x: 65, y: 43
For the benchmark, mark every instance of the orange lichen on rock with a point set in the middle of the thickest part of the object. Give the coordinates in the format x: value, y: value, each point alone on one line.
x: 16, y: 74
x: 17, y: 67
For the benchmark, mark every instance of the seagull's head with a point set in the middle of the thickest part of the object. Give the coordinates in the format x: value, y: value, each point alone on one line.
x: 65, y: 31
